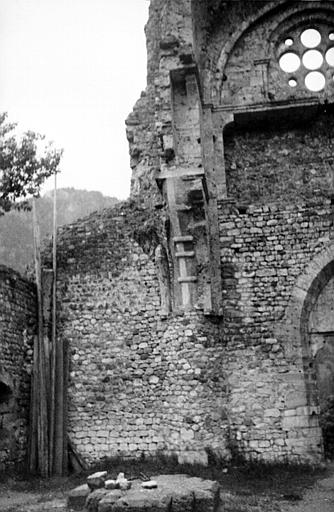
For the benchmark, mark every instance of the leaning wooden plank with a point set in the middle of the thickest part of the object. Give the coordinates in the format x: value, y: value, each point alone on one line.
x: 65, y: 405
x: 59, y: 410
x: 32, y: 454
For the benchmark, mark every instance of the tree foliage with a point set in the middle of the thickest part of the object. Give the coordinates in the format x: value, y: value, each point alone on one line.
x: 24, y: 166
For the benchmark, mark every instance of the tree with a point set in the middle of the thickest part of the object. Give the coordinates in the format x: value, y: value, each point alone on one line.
x: 23, y: 165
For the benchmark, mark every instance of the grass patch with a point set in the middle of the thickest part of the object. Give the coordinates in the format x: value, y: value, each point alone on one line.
x: 245, y: 481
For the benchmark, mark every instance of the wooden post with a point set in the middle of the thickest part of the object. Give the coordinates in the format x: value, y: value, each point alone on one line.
x: 53, y: 333
x: 32, y: 454
x: 40, y: 391
x: 58, y: 423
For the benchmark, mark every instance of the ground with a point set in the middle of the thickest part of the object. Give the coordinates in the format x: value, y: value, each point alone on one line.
x: 245, y: 488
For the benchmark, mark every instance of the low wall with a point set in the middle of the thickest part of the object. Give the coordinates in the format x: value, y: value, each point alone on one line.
x: 17, y: 326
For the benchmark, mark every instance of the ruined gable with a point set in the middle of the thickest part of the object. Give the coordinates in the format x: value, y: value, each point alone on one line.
x: 196, y: 314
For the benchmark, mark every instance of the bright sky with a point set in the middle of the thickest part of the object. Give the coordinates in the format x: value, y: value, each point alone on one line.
x: 72, y: 70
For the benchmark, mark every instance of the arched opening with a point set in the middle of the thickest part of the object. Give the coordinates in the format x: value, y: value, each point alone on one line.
x: 317, y: 340
x: 306, y: 317
x: 6, y: 413
x: 5, y: 393
x: 320, y: 332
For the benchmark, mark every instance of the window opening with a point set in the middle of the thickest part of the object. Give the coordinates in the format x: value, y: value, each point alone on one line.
x: 312, y: 59
x: 289, y: 62
x: 312, y: 54
x: 330, y: 57
x: 310, y: 38
x: 315, y: 81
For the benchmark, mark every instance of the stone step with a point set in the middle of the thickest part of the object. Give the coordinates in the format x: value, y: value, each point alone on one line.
x: 184, y: 238
x: 187, y: 279
x: 185, y: 254
x: 183, y: 208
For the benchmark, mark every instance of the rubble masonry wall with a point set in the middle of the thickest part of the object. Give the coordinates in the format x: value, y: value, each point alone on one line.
x: 17, y: 327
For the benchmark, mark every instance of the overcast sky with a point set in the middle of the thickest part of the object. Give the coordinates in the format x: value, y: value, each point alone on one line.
x: 72, y: 70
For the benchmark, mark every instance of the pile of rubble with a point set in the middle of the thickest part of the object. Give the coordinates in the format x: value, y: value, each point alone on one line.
x: 164, y: 493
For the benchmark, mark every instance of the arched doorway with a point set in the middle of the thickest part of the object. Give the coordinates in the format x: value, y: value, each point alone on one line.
x: 321, y: 339
x: 307, y: 334
x: 6, y: 419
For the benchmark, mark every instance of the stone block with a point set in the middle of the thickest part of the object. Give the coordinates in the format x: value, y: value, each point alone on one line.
x: 272, y: 413
x: 76, y: 498
x: 124, y: 484
x: 207, y: 496
x: 183, y: 500
x: 108, y: 501
x: 111, y: 484
x: 94, y: 498
x: 151, y: 484
x: 140, y: 500
x: 97, y: 480
x: 327, y: 483
x: 295, y: 422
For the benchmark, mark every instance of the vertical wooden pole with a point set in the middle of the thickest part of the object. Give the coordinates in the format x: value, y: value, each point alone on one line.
x: 54, y: 332
x: 41, y: 389
x: 65, y: 404
x: 59, y: 411
x: 32, y: 456
x: 59, y: 374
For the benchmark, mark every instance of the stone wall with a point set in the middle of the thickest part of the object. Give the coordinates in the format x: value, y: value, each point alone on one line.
x: 140, y: 382
x: 144, y: 382
x: 187, y: 324
x: 282, y: 164
x: 264, y: 249
x: 17, y: 327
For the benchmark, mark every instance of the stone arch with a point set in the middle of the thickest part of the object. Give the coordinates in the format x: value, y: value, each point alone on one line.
x: 227, y: 48
x: 293, y: 330
x: 213, y: 89
x: 303, y: 297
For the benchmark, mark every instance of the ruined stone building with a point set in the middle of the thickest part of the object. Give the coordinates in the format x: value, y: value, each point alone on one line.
x: 199, y: 315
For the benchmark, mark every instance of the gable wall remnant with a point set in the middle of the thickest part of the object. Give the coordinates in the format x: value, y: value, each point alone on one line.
x: 186, y: 310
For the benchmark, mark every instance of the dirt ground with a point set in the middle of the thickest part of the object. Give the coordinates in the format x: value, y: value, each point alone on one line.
x: 245, y: 488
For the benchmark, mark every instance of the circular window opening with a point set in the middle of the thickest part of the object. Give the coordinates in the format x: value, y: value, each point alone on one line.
x: 293, y: 82
x: 289, y: 41
x: 312, y: 59
x: 330, y: 56
x: 315, y: 81
x: 310, y: 38
x: 331, y: 36
x: 289, y: 62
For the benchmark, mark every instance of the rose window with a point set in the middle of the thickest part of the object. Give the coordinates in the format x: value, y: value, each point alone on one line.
x: 307, y: 58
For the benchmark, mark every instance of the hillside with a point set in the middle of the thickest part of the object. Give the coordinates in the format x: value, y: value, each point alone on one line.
x: 16, y: 239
